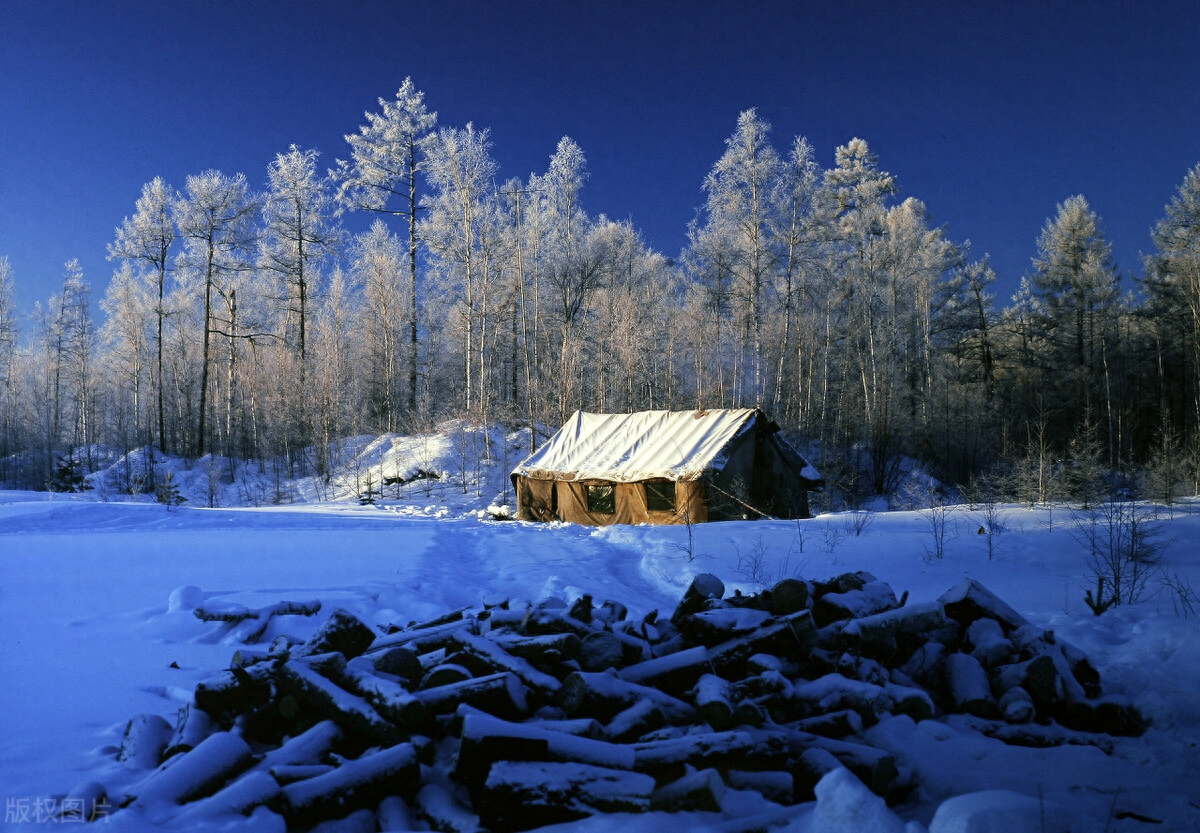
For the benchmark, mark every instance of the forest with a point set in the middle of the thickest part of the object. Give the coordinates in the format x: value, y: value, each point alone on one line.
x: 252, y: 326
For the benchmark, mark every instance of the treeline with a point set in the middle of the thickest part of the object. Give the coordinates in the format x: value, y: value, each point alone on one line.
x: 252, y: 325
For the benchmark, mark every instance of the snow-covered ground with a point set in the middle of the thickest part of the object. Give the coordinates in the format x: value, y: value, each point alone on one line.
x: 96, y: 627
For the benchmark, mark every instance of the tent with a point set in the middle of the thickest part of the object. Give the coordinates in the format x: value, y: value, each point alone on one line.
x: 664, y: 467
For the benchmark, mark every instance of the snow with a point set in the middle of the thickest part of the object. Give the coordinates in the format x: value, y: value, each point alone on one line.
x: 96, y: 628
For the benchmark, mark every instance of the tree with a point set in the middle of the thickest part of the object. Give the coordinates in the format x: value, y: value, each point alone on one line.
x: 1173, y: 285
x: 298, y: 236
x: 215, y: 217
x: 8, y: 366
x: 377, y: 267
x: 146, y: 238
x: 387, y: 154
x: 739, y: 220
x: 1077, y: 286
x: 459, y: 229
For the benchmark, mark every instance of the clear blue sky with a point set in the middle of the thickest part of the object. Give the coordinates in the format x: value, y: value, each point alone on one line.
x: 989, y: 112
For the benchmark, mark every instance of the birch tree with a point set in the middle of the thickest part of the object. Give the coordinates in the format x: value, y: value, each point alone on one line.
x: 215, y: 216
x: 146, y: 239
x: 386, y: 157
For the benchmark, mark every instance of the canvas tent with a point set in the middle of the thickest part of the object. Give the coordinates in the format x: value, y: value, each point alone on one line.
x: 664, y: 467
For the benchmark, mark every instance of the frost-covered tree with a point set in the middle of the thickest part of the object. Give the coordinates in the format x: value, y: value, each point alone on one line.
x: 387, y: 155
x: 8, y: 366
x: 460, y: 229
x: 216, y: 222
x: 299, y: 235
x: 378, y: 269
x: 146, y: 239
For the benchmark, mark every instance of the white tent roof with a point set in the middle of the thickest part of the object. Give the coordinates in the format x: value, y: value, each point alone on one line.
x: 626, y: 448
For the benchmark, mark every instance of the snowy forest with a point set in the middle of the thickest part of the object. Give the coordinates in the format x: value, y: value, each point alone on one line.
x: 252, y: 325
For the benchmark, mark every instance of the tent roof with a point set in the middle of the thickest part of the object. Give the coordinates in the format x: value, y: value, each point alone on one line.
x: 626, y: 448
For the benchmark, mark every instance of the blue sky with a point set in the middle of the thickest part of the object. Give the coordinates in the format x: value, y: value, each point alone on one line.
x: 989, y: 112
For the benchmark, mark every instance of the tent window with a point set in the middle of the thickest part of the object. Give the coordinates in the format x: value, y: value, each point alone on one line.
x: 660, y: 497
x: 602, y: 499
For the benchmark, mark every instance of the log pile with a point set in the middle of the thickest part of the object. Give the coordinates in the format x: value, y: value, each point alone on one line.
x: 509, y: 719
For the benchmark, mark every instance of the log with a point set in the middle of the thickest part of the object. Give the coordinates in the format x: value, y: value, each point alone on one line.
x: 695, y: 792
x: 320, y: 698
x: 524, y: 795
x: 499, y: 659
x: 197, y: 773
x: 354, y: 785
x: 743, y: 749
x: 833, y: 692
x: 342, y: 633
x: 635, y: 722
x: 789, y: 596
x: 254, y: 789
x: 713, y: 702
x: 602, y: 650
x: 601, y: 696
x: 874, y: 767
x: 440, y: 810
x: 895, y: 632
x: 872, y: 597
x: 773, y: 785
x: 144, y: 740
x: 810, y: 767
x: 1038, y: 676
x: 712, y: 627
x: 836, y: 724
x: 969, y: 600
x: 786, y: 636
x: 501, y: 695
x: 988, y: 643
x: 235, y: 691
x: 291, y: 773
x: 399, y: 662
x: 547, y: 649
x: 309, y: 747
x: 1016, y: 705
x: 192, y: 725
x: 392, y: 700
x: 704, y: 587
x: 967, y: 686
x: 674, y: 673
x: 447, y: 673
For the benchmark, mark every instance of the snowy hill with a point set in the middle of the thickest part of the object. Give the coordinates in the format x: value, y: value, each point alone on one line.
x: 96, y: 622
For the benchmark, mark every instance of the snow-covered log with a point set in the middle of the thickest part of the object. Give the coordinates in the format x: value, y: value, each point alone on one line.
x: 356, y: 784
x: 634, y: 722
x: 392, y: 700
x: 235, y: 691
x: 195, y: 774
x: 545, y: 649
x: 988, y: 643
x: 500, y: 694
x: 673, y: 673
x: 967, y: 685
x: 192, y: 725
x: 871, y: 597
x: 144, y: 740
x: 697, y: 791
x: 602, y: 696
x: 343, y: 633
x: 437, y: 807
x: 893, y: 632
x: 319, y: 698
x: 521, y: 795
x: 969, y: 600
x: 713, y: 702
x: 785, y: 636
x: 491, y: 653
x: 744, y: 749
x: 307, y: 747
x: 254, y: 789
x: 1038, y: 676
x: 703, y: 588
x: 876, y: 768
x: 811, y: 766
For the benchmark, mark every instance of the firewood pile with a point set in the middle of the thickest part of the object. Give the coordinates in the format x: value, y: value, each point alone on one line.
x: 508, y: 719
